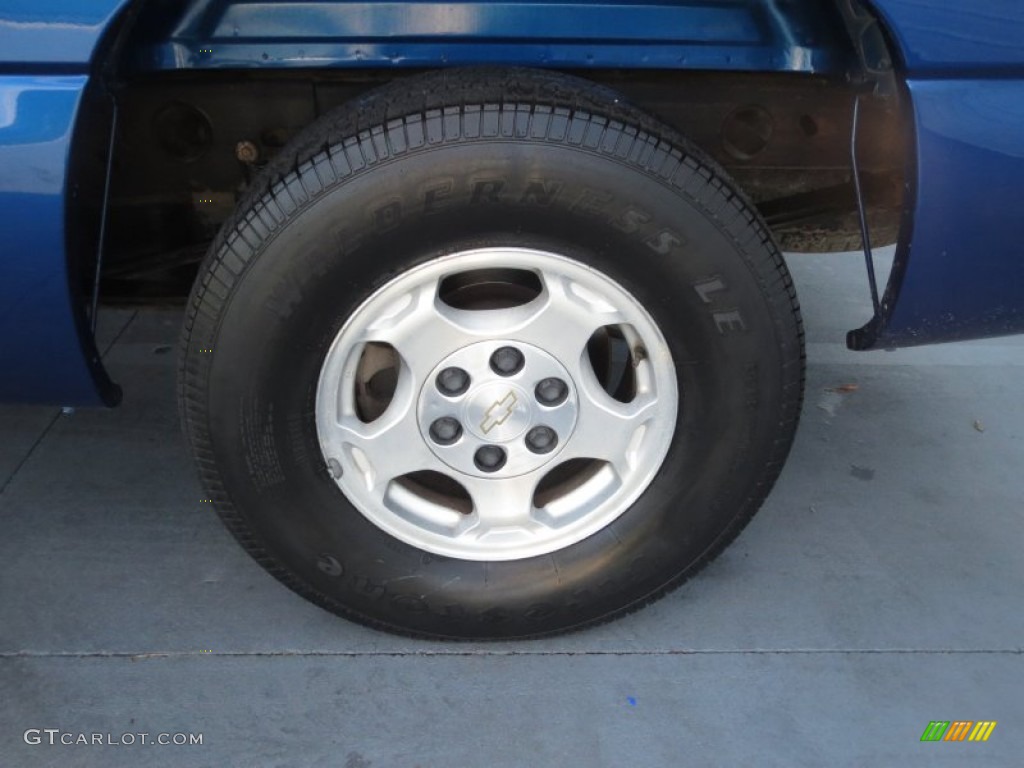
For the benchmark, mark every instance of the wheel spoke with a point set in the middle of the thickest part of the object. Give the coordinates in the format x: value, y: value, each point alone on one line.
x: 563, y: 317
x: 608, y: 429
x: 501, y: 506
x: 416, y: 317
x: 386, y: 448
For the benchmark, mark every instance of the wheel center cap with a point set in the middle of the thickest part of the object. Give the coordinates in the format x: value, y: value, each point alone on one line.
x: 498, y: 411
x: 484, y: 411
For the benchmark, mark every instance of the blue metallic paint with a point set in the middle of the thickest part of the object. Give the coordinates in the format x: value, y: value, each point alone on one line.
x: 960, y: 275
x: 756, y: 35
x: 47, y: 354
x: 960, y: 272
x: 956, y: 38
x: 36, y: 33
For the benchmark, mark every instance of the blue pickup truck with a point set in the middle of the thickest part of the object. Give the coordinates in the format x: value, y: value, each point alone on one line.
x: 487, y: 333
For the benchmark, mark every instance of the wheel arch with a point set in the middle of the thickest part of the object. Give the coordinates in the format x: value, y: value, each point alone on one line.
x: 748, y: 35
x: 159, y: 54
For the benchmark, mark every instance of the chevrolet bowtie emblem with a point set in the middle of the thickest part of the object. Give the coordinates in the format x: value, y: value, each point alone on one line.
x: 498, y: 412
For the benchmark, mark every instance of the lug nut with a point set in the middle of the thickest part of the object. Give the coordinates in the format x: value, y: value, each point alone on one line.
x: 507, y: 361
x: 489, y: 458
x: 541, y: 439
x: 445, y: 431
x: 452, y: 381
x: 247, y: 152
x: 551, y: 391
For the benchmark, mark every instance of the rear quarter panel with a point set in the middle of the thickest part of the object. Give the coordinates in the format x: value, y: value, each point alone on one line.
x: 959, y: 269
x: 954, y: 37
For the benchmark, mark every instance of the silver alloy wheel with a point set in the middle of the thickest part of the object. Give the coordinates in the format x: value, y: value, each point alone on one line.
x: 499, y: 440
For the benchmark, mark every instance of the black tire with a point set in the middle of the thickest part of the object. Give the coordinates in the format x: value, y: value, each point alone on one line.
x: 341, y: 212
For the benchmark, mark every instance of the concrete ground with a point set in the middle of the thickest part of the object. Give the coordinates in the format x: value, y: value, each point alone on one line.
x: 878, y: 589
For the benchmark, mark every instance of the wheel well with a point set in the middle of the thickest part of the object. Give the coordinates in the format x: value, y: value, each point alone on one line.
x: 191, y: 140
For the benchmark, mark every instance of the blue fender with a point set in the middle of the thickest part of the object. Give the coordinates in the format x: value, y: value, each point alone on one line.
x: 959, y: 267
x: 51, y: 34
x: 955, y: 38
x: 47, y: 351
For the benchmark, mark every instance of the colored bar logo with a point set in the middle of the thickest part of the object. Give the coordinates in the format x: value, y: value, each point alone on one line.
x: 958, y: 730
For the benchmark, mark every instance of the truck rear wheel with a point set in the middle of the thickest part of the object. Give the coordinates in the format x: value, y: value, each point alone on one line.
x: 490, y: 354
